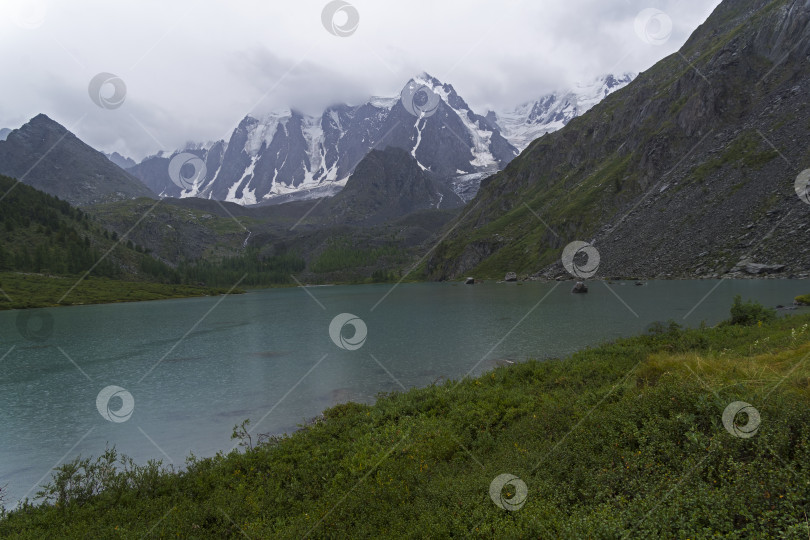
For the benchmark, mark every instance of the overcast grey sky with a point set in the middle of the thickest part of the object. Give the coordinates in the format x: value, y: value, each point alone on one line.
x: 194, y: 69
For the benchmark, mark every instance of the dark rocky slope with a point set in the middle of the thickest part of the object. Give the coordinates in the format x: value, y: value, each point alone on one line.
x: 688, y: 171
x: 46, y: 156
x: 386, y: 185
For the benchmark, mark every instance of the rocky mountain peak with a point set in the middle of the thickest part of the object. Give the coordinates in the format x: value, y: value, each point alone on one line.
x: 45, y: 155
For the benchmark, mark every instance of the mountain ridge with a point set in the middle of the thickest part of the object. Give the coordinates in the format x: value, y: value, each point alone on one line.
x: 285, y: 152
x: 287, y: 155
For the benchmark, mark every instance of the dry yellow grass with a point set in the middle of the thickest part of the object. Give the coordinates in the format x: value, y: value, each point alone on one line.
x: 763, y: 365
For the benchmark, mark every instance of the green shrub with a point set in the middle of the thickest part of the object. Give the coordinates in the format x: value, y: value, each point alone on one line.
x: 749, y: 313
x: 110, y: 475
x: 675, y: 338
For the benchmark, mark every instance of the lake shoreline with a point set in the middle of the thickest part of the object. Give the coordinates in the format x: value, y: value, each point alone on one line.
x: 19, y: 291
x: 201, y: 291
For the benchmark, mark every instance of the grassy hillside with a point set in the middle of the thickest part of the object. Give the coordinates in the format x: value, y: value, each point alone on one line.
x: 47, y: 245
x: 177, y: 233
x: 621, y: 440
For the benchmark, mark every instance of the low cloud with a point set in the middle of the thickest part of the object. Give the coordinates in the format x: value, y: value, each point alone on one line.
x: 194, y: 69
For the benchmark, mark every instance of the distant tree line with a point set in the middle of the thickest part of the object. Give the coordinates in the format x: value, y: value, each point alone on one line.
x: 341, y: 254
x: 272, y: 270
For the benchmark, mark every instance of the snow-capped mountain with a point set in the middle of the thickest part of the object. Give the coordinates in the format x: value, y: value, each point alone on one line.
x: 288, y: 155
x: 551, y: 112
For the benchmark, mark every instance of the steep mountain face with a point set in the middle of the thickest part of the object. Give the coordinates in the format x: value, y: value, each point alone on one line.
x: 289, y: 153
x: 4, y: 133
x: 44, y: 155
x: 154, y: 170
x: 386, y: 185
x: 122, y: 161
x: 551, y: 112
x: 688, y: 171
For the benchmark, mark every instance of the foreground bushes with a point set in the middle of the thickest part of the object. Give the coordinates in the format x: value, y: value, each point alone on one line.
x: 750, y: 312
x: 626, y: 439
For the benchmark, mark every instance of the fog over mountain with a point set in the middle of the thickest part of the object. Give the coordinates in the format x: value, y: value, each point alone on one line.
x: 193, y: 70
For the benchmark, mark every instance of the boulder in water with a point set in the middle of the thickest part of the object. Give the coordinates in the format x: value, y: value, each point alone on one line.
x: 580, y: 288
x: 469, y: 281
